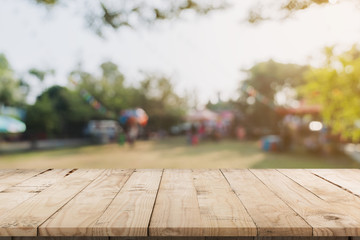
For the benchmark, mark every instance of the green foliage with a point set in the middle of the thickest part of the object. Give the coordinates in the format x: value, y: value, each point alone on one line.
x: 159, y: 99
x: 268, y: 78
x: 12, y: 90
x: 155, y: 95
x: 336, y: 86
x: 59, y: 112
x: 109, y: 88
x: 40, y: 74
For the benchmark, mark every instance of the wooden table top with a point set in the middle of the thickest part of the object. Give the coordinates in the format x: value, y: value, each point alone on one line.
x: 172, y: 202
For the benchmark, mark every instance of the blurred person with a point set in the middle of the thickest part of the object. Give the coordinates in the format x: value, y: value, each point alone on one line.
x: 240, y: 132
x: 202, y: 131
x: 132, y: 131
x: 194, y: 140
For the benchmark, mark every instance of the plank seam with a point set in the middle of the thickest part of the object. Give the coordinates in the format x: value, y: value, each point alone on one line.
x: 46, y: 187
x: 312, y: 229
x: 301, y: 185
x: 112, y: 200
x: 152, y: 210
x: 37, y: 228
x: 37, y: 174
x: 337, y: 185
x: 257, y: 228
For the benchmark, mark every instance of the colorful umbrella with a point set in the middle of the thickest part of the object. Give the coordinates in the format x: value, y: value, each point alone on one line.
x: 138, y: 115
x: 11, y: 125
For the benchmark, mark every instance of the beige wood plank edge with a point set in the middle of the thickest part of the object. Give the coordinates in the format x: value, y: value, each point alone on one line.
x: 60, y: 238
x: 332, y: 194
x: 348, y: 179
x: 325, y: 219
x: 45, y: 179
x: 10, y: 178
x: 130, y: 211
x: 176, y: 211
x: 271, y: 215
x: 178, y: 238
x: 25, y: 218
x: 301, y: 238
x: 324, y: 189
x: 221, y: 211
x: 198, y: 203
x: 79, y: 215
x: 13, y: 196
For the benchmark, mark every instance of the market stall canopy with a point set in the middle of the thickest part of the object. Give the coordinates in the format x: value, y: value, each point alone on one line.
x: 201, y: 115
x: 303, y: 108
x: 11, y: 125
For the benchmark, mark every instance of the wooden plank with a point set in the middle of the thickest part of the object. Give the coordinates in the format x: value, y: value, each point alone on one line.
x: 25, y: 218
x: 130, y: 211
x: 176, y: 211
x: 337, y: 197
x: 46, y: 178
x: 221, y: 211
x: 348, y: 179
x: 13, y: 196
x: 13, y: 177
x: 78, y: 216
x: 271, y: 215
x: 301, y: 238
x: 162, y: 238
x: 324, y: 189
x: 59, y: 238
x: 325, y: 219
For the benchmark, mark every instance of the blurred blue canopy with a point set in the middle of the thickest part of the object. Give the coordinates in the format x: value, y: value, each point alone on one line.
x: 11, y: 125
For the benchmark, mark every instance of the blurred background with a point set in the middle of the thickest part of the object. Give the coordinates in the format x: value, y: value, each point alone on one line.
x: 180, y: 84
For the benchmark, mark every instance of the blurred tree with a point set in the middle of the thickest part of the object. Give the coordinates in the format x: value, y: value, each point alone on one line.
x: 59, y: 112
x: 41, y: 74
x: 12, y: 89
x: 155, y: 95
x: 112, y: 14
x: 267, y: 79
x: 109, y: 88
x: 280, y: 10
x: 336, y: 86
x: 163, y: 105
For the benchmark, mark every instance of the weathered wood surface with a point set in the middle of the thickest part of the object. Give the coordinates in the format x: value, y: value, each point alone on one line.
x: 203, y: 204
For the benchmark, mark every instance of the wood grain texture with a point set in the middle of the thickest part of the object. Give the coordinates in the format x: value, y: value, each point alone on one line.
x: 176, y: 211
x: 348, y: 179
x: 59, y: 238
x: 78, y: 216
x: 198, y: 203
x: 25, y: 218
x: 271, y: 215
x: 221, y: 211
x: 325, y: 190
x: 325, y: 219
x: 339, y: 198
x: 9, y: 178
x: 130, y: 211
x: 174, y: 204
x: 13, y: 196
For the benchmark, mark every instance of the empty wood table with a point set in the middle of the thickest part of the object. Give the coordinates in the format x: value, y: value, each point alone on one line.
x: 187, y: 203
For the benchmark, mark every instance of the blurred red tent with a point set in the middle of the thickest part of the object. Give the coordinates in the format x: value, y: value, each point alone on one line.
x: 201, y: 115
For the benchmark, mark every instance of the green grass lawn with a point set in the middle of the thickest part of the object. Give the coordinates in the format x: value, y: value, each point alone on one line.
x: 172, y: 153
